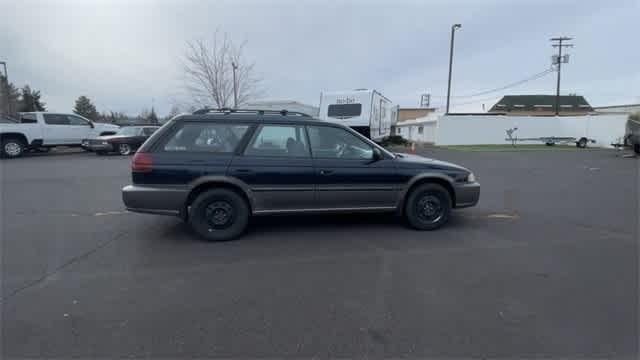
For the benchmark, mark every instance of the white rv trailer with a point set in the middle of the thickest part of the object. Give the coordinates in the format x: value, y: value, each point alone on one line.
x: 366, y: 111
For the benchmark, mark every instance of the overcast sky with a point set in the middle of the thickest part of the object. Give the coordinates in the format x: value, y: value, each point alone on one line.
x: 124, y: 53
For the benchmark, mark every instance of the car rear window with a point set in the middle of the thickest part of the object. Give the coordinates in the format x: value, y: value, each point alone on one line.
x: 28, y: 119
x: 197, y: 137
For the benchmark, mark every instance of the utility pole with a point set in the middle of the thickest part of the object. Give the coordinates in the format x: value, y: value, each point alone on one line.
x: 559, y: 60
x: 235, y: 85
x: 453, y: 32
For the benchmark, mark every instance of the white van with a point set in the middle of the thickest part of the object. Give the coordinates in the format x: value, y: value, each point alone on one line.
x: 366, y: 111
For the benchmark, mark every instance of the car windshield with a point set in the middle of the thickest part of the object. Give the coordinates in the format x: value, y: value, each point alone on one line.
x: 129, y: 131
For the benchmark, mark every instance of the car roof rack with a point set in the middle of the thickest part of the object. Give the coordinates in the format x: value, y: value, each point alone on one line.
x: 227, y: 111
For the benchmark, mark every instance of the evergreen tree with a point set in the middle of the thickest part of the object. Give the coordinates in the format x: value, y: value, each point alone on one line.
x: 85, y: 107
x: 31, y: 100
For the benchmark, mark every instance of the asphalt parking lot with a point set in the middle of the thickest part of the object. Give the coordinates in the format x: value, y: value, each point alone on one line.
x: 545, y: 266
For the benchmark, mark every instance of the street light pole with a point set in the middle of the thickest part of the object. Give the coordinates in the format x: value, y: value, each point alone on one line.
x: 453, y: 31
x: 6, y: 88
x: 235, y: 86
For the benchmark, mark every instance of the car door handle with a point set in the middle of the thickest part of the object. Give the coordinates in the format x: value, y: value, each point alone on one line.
x: 243, y: 171
x: 326, y: 172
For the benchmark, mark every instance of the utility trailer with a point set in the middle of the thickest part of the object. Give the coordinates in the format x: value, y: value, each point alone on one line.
x: 550, y: 140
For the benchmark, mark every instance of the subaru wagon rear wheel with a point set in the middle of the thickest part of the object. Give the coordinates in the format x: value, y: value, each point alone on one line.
x: 428, y: 207
x: 219, y: 215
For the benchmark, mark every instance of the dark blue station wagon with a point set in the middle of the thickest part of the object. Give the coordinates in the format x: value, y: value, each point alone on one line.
x: 217, y: 168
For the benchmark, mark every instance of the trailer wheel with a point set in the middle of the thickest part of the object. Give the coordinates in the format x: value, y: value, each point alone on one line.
x: 582, y: 143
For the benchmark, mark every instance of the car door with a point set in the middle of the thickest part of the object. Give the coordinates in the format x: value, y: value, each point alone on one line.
x: 277, y: 166
x: 79, y: 128
x: 348, y: 176
x: 56, y: 129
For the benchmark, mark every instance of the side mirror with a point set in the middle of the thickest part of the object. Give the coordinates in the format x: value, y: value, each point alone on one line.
x: 377, y: 154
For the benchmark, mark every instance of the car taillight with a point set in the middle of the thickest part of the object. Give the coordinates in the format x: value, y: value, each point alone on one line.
x: 142, y: 163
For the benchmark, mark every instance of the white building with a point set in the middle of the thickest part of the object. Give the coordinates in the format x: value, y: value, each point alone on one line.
x: 477, y: 129
x: 618, y: 109
x: 420, y: 130
x: 278, y: 105
x: 489, y: 129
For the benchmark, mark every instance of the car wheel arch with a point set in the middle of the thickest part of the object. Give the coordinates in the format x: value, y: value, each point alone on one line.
x: 16, y: 135
x: 205, y: 185
x: 426, y: 179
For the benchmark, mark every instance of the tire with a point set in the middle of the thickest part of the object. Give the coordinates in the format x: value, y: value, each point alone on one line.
x: 582, y: 143
x: 124, y: 149
x: 550, y: 144
x: 232, y: 213
x: 636, y: 148
x: 433, y: 196
x: 12, y: 147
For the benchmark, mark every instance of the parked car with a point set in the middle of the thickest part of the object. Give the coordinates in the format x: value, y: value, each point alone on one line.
x: 43, y: 130
x: 124, y: 142
x: 216, y: 169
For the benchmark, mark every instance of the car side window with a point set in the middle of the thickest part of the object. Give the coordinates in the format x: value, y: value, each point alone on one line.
x: 76, y: 120
x: 279, y: 140
x: 55, y: 119
x: 28, y: 119
x: 206, y: 137
x: 330, y: 142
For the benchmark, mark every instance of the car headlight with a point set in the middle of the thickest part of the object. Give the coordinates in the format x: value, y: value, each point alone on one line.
x: 471, y: 178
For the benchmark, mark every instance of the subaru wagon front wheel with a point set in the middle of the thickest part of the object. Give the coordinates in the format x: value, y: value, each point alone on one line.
x: 219, y: 215
x: 428, y: 207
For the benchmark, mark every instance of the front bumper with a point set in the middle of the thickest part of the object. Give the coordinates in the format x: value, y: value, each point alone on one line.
x: 154, y: 200
x: 467, y: 194
x: 97, y: 146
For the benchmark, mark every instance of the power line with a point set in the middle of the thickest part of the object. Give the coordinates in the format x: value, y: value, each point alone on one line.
x: 510, y: 85
x: 475, y: 101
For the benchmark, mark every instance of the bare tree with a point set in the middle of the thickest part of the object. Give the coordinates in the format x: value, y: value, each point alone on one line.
x: 208, y: 68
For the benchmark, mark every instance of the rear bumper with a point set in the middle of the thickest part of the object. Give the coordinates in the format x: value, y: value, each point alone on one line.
x: 467, y: 194
x: 154, y: 200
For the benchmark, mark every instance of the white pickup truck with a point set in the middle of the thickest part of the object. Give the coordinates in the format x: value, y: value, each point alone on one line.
x: 44, y: 130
